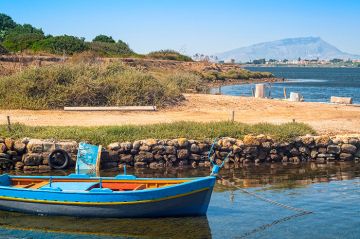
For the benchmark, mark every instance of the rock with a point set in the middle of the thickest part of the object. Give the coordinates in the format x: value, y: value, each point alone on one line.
x: 11, y: 153
x: 203, y: 147
x: 183, y: 163
x: 153, y: 165
x: 250, y: 150
x: 182, y: 154
x: 19, y: 165
x: 195, y: 157
x: 322, y: 141
x: 295, y: 152
x: 25, y: 140
x: 183, y: 142
x: 32, y: 159
x: 307, y: 140
x: 158, y: 157
x: 170, y: 150
x: 126, y: 158
x: 144, y: 157
x: 44, y: 168
x: 322, y: 150
x: 239, y: 143
x: 251, y: 140
x: 346, y: 156
x: 136, y: 145
x: 325, y: 155
x: 266, y: 145
x: 151, y: 142
x: 145, y: 147
x: 313, y: 154
x: 126, y: 146
x: 4, y: 155
x: 194, y: 148
x: 31, y: 168
x: 35, y: 146
x: 19, y: 146
x: 295, y: 159
x: 304, y: 150
x: 357, y: 154
x: 110, y: 156
x: 333, y: 149
x: 354, y: 141
x: 3, y: 148
x: 140, y: 165
x: 113, y: 146
x: 9, y: 142
x: 275, y: 157
x: 348, y: 148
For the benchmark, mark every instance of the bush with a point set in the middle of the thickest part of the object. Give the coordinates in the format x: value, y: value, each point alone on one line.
x: 6, y: 24
x: 56, y: 86
x: 110, y: 49
x: 3, y: 50
x: 22, y: 37
x: 103, y: 38
x: 60, y: 45
x: 184, y: 81
x: 168, y: 55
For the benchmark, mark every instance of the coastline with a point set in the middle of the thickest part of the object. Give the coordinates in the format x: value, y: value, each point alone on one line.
x: 243, y: 82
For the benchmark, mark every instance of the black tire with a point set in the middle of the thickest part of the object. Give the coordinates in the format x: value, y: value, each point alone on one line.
x: 59, y: 159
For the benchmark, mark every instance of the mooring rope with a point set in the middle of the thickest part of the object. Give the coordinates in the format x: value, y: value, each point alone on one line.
x: 266, y: 199
x: 300, y: 211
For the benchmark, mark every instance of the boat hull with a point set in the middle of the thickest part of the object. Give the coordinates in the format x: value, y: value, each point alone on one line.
x: 194, y: 204
x: 187, y: 199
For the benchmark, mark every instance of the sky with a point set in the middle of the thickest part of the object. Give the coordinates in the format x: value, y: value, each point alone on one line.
x: 194, y: 26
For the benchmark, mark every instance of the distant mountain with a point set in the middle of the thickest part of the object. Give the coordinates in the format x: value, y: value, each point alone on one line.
x: 291, y: 49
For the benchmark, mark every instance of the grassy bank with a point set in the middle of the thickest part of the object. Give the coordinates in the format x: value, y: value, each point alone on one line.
x: 91, y: 84
x: 191, y: 130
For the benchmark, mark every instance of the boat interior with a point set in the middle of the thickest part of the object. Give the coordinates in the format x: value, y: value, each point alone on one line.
x: 79, y: 184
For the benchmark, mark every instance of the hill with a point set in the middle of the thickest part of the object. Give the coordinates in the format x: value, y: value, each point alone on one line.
x: 290, y: 48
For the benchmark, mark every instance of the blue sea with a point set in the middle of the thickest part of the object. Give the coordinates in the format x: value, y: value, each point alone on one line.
x: 316, y: 84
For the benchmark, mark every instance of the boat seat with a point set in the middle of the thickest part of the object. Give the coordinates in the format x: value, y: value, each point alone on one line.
x: 39, y: 185
x: 24, y: 185
x: 71, y: 186
x: 140, y: 187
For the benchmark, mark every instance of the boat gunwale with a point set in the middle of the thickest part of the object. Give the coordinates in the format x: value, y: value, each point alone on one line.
x: 189, y: 181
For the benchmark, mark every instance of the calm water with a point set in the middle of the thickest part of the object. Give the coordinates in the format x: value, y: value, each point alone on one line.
x: 331, y: 191
x: 315, y: 84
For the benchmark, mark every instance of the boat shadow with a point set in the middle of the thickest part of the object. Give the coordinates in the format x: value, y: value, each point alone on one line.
x: 185, y: 227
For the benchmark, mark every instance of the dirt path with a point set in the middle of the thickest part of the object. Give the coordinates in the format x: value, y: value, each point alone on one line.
x: 325, y: 118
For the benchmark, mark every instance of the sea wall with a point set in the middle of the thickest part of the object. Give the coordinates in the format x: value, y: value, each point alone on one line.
x: 32, y: 154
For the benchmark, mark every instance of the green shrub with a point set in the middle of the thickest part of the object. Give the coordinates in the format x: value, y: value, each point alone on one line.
x: 110, y: 49
x: 60, y: 45
x: 168, y: 55
x: 184, y: 81
x: 60, y: 85
x: 3, y: 50
x: 103, y: 38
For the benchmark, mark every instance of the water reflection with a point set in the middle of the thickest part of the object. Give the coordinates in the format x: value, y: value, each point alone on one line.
x: 190, y: 227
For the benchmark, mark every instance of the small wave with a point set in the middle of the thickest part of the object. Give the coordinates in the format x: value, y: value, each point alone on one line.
x: 305, y: 80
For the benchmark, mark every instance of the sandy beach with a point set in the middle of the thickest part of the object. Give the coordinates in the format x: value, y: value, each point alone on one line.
x: 325, y: 118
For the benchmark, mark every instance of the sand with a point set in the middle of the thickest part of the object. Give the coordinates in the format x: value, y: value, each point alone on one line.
x: 325, y: 118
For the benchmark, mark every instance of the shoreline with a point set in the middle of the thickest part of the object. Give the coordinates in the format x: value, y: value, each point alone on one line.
x: 244, y: 82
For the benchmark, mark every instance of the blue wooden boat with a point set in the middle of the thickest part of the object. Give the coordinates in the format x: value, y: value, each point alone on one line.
x: 121, y: 196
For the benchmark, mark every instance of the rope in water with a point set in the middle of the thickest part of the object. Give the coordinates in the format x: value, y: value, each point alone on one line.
x: 300, y: 211
x: 266, y: 199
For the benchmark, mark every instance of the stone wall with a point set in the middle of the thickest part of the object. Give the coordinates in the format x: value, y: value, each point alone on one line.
x: 32, y: 154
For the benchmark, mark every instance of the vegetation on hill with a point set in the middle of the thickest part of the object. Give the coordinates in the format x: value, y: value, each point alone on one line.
x: 19, y: 38
x: 3, y: 50
x: 168, y: 55
x: 237, y: 74
x: 85, y: 84
x: 192, y: 130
